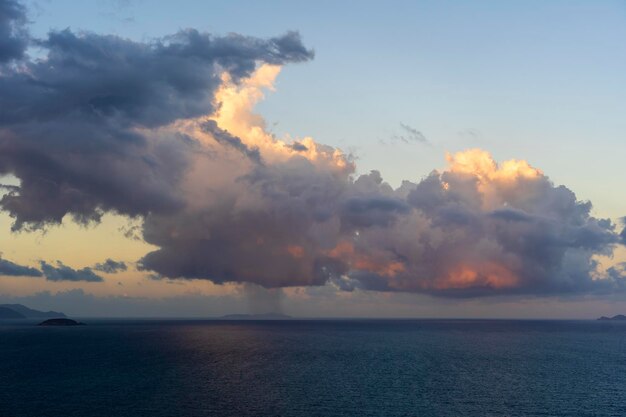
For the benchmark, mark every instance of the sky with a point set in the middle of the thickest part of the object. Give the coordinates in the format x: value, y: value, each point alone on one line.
x: 194, y: 159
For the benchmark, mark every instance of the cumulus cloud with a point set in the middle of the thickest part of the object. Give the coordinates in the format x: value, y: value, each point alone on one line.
x: 80, y: 127
x: 165, y: 132
x: 476, y: 228
x: 12, y: 269
x: 62, y: 272
x: 110, y: 266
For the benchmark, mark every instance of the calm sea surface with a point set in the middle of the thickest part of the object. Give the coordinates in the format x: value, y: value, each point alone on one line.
x: 314, y: 368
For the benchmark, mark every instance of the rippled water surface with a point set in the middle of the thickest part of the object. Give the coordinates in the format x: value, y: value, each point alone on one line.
x: 314, y: 368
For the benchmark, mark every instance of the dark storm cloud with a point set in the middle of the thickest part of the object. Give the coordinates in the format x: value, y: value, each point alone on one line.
x: 62, y: 272
x: 13, y: 35
x: 110, y: 266
x: 73, y: 125
x: 78, y: 169
x: 108, y: 78
x: 12, y: 269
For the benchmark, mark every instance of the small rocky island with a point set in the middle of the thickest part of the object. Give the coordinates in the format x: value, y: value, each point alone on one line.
x: 619, y: 317
x: 61, y: 322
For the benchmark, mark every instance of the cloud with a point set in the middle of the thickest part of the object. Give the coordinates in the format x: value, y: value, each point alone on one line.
x: 165, y: 132
x: 64, y: 273
x: 13, y: 35
x: 12, y: 269
x: 297, y: 146
x: 81, y: 128
x: 412, y: 134
x: 409, y: 135
x: 223, y: 137
x: 618, y: 272
x: 110, y: 266
x: 477, y: 228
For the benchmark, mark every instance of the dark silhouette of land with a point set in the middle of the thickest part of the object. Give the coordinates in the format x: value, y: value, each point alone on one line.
x: 61, y: 322
x: 7, y: 313
x: 619, y: 317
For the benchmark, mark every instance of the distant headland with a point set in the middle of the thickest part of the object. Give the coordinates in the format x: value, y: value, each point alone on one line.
x: 619, y: 317
x: 19, y: 311
x: 7, y: 313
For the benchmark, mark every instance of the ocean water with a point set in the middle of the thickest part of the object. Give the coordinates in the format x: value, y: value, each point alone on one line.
x: 314, y: 368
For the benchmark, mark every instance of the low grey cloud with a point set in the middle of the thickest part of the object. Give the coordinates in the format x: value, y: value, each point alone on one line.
x: 110, y: 266
x: 62, y: 272
x: 12, y: 269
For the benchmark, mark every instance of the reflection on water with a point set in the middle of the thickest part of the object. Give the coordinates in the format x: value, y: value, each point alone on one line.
x: 301, y: 368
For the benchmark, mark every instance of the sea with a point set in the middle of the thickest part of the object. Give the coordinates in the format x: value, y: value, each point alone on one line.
x: 177, y: 368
